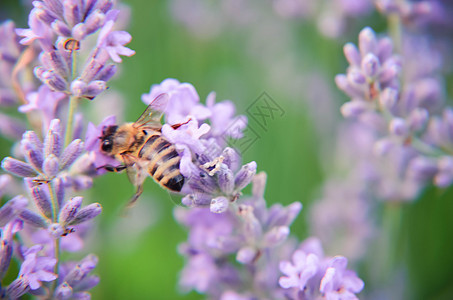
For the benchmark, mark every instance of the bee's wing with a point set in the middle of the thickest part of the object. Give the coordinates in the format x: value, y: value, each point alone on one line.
x: 136, y: 175
x: 131, y: 168
x: 153, y: 113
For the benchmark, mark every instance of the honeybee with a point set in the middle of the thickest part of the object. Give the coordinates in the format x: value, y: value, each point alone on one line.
x: 144, y: 150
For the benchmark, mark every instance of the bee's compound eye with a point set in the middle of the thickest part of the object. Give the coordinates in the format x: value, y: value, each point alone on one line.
x: 106, y: 145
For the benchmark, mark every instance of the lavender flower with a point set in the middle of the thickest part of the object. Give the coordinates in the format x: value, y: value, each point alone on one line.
x: 249, y: 232
x: 44, y: 161
x: 65, y: 26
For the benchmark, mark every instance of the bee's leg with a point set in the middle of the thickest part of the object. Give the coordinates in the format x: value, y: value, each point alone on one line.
x: 115, y: 169
x: 176, y: 126
x: 136, y: 196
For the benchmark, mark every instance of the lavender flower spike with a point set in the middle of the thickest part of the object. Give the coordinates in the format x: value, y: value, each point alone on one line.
x: 44, y: 160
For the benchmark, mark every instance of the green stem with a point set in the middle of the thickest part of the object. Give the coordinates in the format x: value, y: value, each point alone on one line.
x: 54, y: 203
x: 55, y: 210
x: 72, y: 102
x: 69, y: 126
x: 428, y: 149
x: 391, y: 233
x: 395, y: 28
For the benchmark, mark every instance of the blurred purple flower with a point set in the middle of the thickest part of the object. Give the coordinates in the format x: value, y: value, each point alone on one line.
x: 36, y: 268
x: 114, y: 41
x: 339, y: 282
x: 45, y: 101
x: 300, y: 271
x: 183, y: 103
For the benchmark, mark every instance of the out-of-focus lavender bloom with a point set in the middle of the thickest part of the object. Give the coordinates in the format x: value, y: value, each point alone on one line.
x: 311, y: 275
x: 398, y: 116
x: 75, y: 279
x: 184, y: 101
x: 332, y: 16
x: 425, y: 15
x: 36, y: 268
x: 10, y: 50
x: 5, y: 182
x: 114, y: 41
x: 12, y: 209
x: 372, y: 68
x: 341, y: 218
x: 11, y: 127
x: 8, y: 232
x: 339, y: 282
x: 45, y: 101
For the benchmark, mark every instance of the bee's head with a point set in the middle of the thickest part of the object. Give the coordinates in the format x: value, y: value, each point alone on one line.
x: 107, y: 138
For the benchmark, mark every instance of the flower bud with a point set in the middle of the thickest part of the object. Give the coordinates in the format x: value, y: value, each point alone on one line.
x: 87, y: 213
x: 275, y: 236
x: 219, y: 205
x: 353, y: 109
x: 283, y: 216
x: 370, y: 65
x: 52, y: 142
x: 245, y: 175
x: 63, y: 291
x: 72, y: 12
x: 78, y: 88
x: 18, y: 168
x: 388, y: 98
x: 81, y: 270
x: 51, y: 166
x: 55, y: 230
x: 106, y: 73
x: 94, y: 21
x: 399, y: 127
x: 94, y: 88
x: 226, y: 180
x: 367, y: 41
x: 42, y: 201
x: 60, y: 28
x: 33, y: 219
x: 422, y: 168
x: 252, y: 227
x: 79, y: 32
x: 352, y: 54
x: 17, y: 288
x: 418, y: 119
x: 382, y: 147
x: 6, y: 252
x: 71, y: 153
x: 59, y: 189
x: 385, y: 48
x: 34, y: 158
x: 356, y: 77
x: 11, y: 209
x: 246, y: 255
x: 69, y: 211
x: 231, y: 158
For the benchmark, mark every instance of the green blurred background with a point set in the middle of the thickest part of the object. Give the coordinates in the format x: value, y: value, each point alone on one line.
x: 138, y: 253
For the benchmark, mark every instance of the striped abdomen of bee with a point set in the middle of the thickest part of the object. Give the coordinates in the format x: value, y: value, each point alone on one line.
x: 162, y: 161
